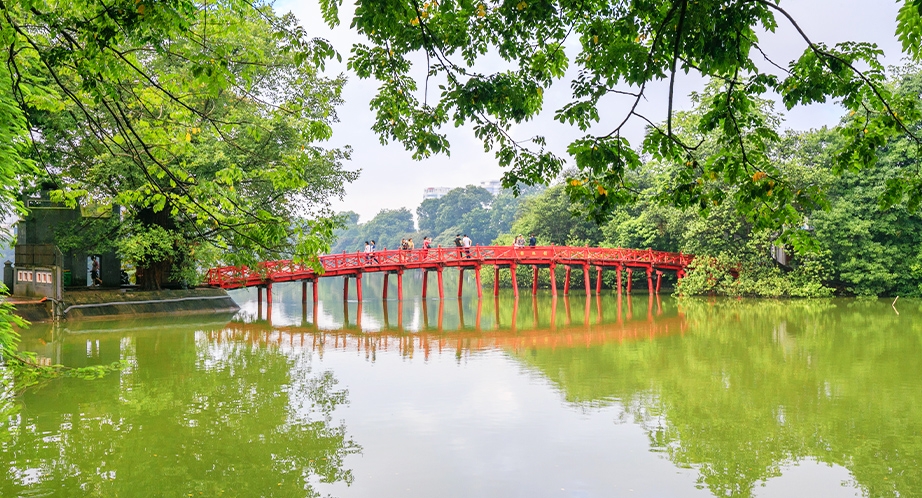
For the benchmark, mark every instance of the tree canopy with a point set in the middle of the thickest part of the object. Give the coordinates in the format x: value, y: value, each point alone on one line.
x: 202, y: 120
x: 617, y: 49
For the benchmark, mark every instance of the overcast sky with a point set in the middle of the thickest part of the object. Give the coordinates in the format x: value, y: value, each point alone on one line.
x: 390, y: 178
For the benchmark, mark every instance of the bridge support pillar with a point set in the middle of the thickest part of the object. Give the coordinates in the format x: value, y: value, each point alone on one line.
x: 566, y: 282
x: 650, y: 280
x: 630, y: 273
x: 659, y: 280
x: 553, y: 280
x: 479, y: 287
x: 399, y: 286
x: 460, y: 281
x: 618, y: 277
x: 425, y: 282
x: 441, y: 287
x: 495, y: 280
x: 680, y: 274
x: 358, y: 287
x: 304, y: 292
x: 534, y: 280
x: 586, y: 282
x: 345, y: 288
x: 259, y: 302
x: 515, y: 283
x: 314, y: 283
x: 384, y: 291
x: 268, y: 301
x: 598, y: 280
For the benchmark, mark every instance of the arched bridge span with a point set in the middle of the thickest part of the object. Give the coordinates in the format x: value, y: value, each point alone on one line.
x: 395, y: 262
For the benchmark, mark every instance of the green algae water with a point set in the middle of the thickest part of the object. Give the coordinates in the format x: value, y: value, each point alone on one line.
x: 568, y: 397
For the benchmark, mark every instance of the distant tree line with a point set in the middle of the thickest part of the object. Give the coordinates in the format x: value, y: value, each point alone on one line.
x: 467, y: 210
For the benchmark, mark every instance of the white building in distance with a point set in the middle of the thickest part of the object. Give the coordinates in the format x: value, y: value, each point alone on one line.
x: 435, y: 192
x: 494, y: 187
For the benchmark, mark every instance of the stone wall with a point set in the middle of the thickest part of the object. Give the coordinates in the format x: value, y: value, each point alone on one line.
x: 107, y: 304
x: 37, y: 281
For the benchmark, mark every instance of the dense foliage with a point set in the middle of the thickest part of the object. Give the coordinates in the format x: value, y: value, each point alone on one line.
x: 493, y: 60
x: 200, y: 119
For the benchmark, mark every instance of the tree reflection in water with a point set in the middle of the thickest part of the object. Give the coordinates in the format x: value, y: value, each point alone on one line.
x: 753, y: 386
x: 188, y: 417
x: 736, y: 390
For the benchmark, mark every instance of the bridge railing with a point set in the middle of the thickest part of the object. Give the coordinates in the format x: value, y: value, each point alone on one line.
x: 232, y: 277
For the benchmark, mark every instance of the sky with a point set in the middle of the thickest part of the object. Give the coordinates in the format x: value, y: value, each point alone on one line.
x: 391, y: 179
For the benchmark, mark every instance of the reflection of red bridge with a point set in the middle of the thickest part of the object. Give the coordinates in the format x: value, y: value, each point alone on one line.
x: 508, y: 336
x: 396, y: 262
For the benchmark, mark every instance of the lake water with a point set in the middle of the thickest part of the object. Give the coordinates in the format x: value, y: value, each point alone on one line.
x: 566, y: 397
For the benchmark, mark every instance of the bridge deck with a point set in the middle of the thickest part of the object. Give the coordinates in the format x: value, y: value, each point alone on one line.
x: 354, y: 265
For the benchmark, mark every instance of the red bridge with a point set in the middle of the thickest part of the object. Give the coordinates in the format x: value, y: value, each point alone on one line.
x: 395, y: 262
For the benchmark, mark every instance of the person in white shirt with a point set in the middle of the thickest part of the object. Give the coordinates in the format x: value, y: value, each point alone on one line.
x: 466, y: 244
x: 367, y: 252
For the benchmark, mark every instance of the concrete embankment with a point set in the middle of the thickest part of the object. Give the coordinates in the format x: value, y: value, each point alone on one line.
x: 123, y: 303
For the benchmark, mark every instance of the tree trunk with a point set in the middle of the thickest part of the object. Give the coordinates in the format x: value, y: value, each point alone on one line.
x: 153, y: 276
x: 157, y: 273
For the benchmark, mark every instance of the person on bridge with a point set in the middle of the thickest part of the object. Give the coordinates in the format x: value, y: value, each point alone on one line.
x: 374, y: 257
x: 367, y: 252
x: 466, y: 242
x: 458, y: 244
x: 410, y: 244
x: 532, y: 240
x: 427, y: 244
